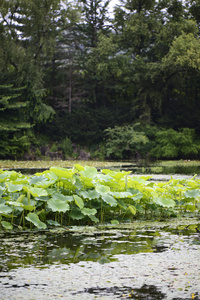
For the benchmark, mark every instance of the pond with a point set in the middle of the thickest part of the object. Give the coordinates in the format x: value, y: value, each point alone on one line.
x: 139, y: 260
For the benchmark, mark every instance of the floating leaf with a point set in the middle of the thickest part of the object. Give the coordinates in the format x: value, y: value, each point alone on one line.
x: 114, y: 222
x: 7, y: 225
x: 33, y: 218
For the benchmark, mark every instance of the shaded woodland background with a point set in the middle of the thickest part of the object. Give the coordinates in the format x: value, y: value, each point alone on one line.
x: 75, y: 77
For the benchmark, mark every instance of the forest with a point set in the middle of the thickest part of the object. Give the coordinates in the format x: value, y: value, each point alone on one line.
x: 115, y: 84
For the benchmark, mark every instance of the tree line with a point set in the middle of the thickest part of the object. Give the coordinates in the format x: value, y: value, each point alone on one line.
x: 120, y: 83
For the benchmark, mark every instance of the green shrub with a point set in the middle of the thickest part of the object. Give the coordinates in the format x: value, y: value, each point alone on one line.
x: 66, y: 147
x: 54, y: 148
x: 176, y: 144
x: 124, y: 142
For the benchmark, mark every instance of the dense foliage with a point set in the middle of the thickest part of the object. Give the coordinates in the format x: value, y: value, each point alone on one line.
x: 76, y: 71
x: 82, y: 195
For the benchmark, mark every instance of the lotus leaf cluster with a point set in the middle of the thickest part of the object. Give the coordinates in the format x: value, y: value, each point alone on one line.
x: 82, y: 195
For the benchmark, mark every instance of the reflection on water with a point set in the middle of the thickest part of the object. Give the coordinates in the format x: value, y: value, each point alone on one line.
x: 149, y: 292
x: 103, y: 246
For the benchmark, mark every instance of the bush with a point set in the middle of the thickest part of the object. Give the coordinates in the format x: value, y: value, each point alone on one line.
x: 66, y: 147
x: 124, y: 142
x: 176, y: 144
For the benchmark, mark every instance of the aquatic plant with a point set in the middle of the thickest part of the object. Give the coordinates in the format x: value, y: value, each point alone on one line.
x: 82, y: 195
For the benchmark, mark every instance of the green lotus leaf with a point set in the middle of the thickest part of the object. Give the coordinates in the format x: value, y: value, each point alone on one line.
x: 58, y: 205
x: 33, y: 180
x: 121, y: 195
x: 122, y: 204
x: 14, y: 203
x: 29, y: 207
x: 132, y: 209
x: 94, y: 218
x: 7, y: 225
x: 20, y: 199
x: 36, y: 192
x: 53, y: 223
x: 191, y: 207
x: 109, y: 200
x: 62, y: 197
x: 88, y: 211
x: 114, y: 222
x: 62, y: 172
x: 102, y: 189
x: 4, y: 209
x: 89, y: 172
x: 90, y: 194
x: 192, y: 193
x: 79, y: 167
x: 33, y: 218
x: 3, y: 177
x: 167, y: 202
x: 12, y: 188
x: 76, y: 214
x: 79, y: 202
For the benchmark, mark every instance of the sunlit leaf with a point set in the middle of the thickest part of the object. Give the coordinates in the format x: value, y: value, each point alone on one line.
x: 89, y: 172
x: 167, y: 202
x: 36, y: 192
x: 79, y: 202
x: 14, y: 187
x: 20, y: 199
x: 79, y: 167
x: 114, y: 222
x: 62, y: 172
x: 132, y: 209
x: 102, y: 189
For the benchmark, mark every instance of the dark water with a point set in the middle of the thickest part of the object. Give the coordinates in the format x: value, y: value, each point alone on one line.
x: 139, y: 168
x: 97, y: 245
x: 85, y: 247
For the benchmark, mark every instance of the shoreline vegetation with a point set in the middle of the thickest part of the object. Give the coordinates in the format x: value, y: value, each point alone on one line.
x: 22, y: 164
x: 82, y: 195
